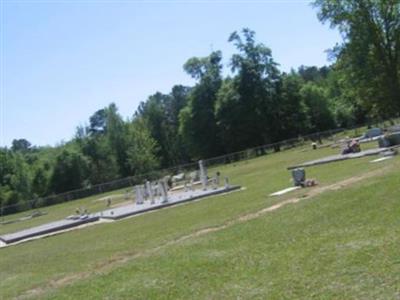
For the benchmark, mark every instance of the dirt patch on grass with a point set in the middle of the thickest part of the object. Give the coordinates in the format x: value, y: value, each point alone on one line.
x: 120, y: 259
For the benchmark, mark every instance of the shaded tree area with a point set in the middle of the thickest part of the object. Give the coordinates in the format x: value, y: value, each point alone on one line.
x: 251, y: 104
x: 368, y: 60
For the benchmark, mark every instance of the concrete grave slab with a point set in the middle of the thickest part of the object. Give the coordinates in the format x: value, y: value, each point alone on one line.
x: 174, y: 199
x: 46, y: 228
x: 339, y: 157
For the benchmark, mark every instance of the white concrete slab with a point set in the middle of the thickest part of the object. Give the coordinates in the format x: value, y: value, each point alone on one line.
x: 284, y: 191
x: 381, y: 159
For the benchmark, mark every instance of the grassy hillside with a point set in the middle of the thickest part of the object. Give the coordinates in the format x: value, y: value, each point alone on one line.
x: 337, y: 243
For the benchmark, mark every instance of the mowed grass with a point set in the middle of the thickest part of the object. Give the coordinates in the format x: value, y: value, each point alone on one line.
x: 340, y: 245
x: 40, y: 263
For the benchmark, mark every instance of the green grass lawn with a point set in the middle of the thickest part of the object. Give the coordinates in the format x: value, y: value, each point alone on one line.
x: 341, y: 244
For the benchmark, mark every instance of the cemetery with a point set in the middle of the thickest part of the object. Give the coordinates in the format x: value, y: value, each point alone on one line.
x: 160, y: 194
x: 282, y: 215
x: 148, y: 197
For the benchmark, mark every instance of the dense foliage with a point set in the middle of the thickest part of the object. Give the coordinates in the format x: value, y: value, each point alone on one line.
x: 255, y: 104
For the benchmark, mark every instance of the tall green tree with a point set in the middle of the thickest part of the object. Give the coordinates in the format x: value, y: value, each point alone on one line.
x: 318, y: 110
x: 115, y: 134
x: 103, y: 166
x: 248, y: 105
x: 40, y: 182
x: 69, y: 172
x: 142, y: 148
x: 104, y: 143
x: 15, y: 184
x: 370, y: 53
x: 293, y: 109
x: 197, y: 121
x: 154, y: 112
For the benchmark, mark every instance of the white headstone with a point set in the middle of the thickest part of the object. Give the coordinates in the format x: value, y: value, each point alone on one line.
x: 149, y: 189
x: 139, y: 194
x: 203, y: 175
x: 227, y: 185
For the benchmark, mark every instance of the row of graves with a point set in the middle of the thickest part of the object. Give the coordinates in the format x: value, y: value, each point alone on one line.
x: 158, y: 194
x: 148, y: 197
x: 388, y: 141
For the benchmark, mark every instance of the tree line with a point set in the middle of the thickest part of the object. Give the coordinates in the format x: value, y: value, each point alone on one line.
x: 255, y: 104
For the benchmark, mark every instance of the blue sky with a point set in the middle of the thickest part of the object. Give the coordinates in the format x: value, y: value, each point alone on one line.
x: 63, y: 60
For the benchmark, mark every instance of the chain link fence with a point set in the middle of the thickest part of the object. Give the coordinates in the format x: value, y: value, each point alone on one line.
x: 131, y: 181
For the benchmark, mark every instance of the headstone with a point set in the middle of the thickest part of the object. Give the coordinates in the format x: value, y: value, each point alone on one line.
x: 227, y: 185
x: 203, y: 175
x: 191, y: 186
x: 139, y: 194
x: 299, y: 176
x: 383, y: 142
x: 217, y: 177
x: 149, y: 189
x: 163, y: 190
x: 373, y: 132
x: 394, y: 138
x: 389, y: 140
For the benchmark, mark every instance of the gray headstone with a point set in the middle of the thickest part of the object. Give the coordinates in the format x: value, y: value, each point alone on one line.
x: 373, y: 132
x: 299, y: 176
x: 394, y: 138
x: 383, y: 142
x: 163, y: 190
